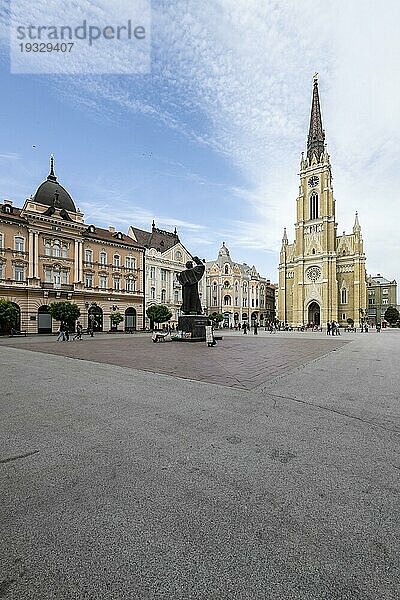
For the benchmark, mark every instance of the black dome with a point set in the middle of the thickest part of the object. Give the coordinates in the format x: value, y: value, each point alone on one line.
x: 51, y: 193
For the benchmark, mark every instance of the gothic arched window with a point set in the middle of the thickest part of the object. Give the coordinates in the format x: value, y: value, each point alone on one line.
x: 314, y: 206
x: 344, y: 296
x: 226, y: 269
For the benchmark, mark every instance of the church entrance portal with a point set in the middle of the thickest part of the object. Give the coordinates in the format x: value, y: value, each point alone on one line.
x: 314, y: 315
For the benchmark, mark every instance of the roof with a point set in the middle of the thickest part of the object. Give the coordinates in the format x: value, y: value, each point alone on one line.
x: 51, y: 192
x: 114, y: 237
x: 12, y: 212
x: 156, y: 238
x: 379, y: 279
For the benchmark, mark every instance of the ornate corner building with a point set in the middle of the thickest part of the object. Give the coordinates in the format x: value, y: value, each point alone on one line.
x: 321, y: 275
x: 48, y: 253
x: 238, y: 291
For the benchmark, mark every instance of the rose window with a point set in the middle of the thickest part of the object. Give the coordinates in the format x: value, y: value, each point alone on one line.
x: 313, y: 273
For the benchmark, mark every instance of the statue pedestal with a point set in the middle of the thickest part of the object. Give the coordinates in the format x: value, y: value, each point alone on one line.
x: 193, y: 327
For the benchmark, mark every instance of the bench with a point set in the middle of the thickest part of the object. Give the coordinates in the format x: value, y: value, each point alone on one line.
x: 14, y: 332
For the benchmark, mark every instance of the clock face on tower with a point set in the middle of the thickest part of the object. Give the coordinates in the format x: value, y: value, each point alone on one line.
x: 313, y: 181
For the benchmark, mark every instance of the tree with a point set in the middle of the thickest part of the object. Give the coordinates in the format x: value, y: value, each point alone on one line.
x: 116, y: 318
x: 392, y: 315
x: 216, y: 318
x: 158, y: 313
x: 65, y: 311
x: 350, y: 321
x: 8, y: 315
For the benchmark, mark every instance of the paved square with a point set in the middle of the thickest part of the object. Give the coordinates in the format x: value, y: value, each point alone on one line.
x: 237, y: 361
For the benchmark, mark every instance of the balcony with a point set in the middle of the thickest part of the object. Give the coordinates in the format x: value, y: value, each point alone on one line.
x: 63, y: 287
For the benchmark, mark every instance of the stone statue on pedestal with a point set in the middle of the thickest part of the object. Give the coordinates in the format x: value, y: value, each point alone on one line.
x: 190, y: 293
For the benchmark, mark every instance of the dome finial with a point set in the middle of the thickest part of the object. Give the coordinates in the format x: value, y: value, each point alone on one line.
x: 153, y: 225
x: 51, y: 175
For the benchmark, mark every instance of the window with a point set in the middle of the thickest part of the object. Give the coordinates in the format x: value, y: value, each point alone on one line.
x: 343, y: 296
x: 343, y: 316
x: 103, y: 282
x: 64, y: 251
x: 385, y: 291
x: 47, y: 248
x: 1, y: 240
x: 152, y: 272
x: 47, y: 275
x: 64, y: 277
x: 370, y: 301
x: 163, y: 295
x: 19, y: 244
x: 215, y: 303
x: 245, y: 302
x: 116, y: 284
x: 314, y: 206
x: 88, y: 256
x: 130, y: 284
x: 176, y: 297
x: 19, y: 273
x: 103, y: 258
x: 215, y: 287
x: 226, y: 284
x: 227, y: 300
x: 56, y: 249
x: 1, y: 270
x: 385, y: 301
x: 226, y: 270
x: 163, y: 275
x: 88, y: 280
x: 117, y: 260
x: 178, y: 255
x: 153, y: 293
x: 129, y: 262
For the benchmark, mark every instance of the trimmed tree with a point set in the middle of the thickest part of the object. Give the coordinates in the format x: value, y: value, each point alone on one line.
x: 8, y: 315
x: 392, y: 315
x: 64, y: 311
x: 350, y: 322
x: 116, y: 318
x: 158, y: 313
x: 216, y: 318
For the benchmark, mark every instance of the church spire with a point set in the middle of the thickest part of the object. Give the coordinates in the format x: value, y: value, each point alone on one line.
x: 285, y: 240
x: 316, y: 135
x: 356, y: 226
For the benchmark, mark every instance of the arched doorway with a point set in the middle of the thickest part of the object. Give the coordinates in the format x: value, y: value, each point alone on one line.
x: 314, y: 314
x: 95, y: 317
x: 130, y: 319
x: 44, y: 319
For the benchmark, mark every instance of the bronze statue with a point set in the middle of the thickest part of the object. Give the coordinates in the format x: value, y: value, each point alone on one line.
x: 189, y: 280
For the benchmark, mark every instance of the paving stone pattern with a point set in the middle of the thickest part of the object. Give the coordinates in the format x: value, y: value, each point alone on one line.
x: 237, y: 362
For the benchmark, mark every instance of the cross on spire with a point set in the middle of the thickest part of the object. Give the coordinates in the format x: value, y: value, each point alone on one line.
x: 51, y: 175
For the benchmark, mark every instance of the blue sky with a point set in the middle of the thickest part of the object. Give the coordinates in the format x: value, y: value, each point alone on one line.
x: 210, y: 140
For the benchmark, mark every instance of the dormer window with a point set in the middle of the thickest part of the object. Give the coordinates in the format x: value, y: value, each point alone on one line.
x: 7, y: 208
x: 92, y: 229
x: 119, y: 235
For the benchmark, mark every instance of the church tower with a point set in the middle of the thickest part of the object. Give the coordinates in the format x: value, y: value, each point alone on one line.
x: 321, y: 276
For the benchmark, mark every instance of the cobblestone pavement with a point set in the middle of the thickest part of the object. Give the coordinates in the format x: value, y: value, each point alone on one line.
x: 237, y: 361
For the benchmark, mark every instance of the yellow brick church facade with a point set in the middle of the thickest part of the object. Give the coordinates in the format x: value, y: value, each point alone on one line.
x: 322, y: 275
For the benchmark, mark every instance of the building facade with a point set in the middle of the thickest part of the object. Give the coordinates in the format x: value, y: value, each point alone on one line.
x: 48, y: 253
x: 382, y: 293
x: 238, y: 292
x: 321, y: 275
x: 166, y: 256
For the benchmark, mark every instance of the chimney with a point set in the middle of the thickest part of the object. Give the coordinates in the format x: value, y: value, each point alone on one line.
x: 111, y: 229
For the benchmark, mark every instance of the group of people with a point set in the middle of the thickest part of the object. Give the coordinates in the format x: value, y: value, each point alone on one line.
x: 332, y: 328
x: 63, y: 332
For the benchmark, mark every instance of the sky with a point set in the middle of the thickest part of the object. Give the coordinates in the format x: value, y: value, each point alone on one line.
x: 209, y: 139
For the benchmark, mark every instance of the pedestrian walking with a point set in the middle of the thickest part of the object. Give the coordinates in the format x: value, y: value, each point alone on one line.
x: 245, y: 328
x: 60, y: 332
x: 79, y: 329
x: 255, y: 328
x: 328, y: 328
x: 66, y: 333
x: 333, y: 328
